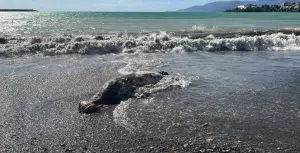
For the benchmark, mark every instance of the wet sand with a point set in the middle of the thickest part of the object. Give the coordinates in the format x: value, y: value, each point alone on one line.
x: 39, y: 114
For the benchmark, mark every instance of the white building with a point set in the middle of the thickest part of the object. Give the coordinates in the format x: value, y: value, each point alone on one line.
x: 242, y: 7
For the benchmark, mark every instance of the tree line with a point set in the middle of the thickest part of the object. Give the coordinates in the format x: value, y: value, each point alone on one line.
x: 266, y: 8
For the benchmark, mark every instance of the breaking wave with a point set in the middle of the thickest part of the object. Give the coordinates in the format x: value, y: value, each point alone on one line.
x: 148, y: 43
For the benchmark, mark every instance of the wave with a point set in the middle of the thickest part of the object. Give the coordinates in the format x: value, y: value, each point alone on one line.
x: 148, y: 43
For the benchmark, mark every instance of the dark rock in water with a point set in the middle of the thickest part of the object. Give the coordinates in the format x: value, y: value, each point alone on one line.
x: 4, y: 54
x: 3, y: 41
x: 163, y: 73
x: 36, y: 40
x: 157, y: 41
x: 13, y: 39
x: 99, y: 38
x: 119, y: 89
x: 165, y: 38
x: 129, y: 44
x: 79, y: 39
x: 60, y: 40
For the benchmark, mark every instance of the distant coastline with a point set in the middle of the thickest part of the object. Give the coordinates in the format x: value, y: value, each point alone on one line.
x: 285, y: 7
x: 18, y: 10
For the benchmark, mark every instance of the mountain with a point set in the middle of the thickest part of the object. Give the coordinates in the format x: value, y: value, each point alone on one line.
x: 218, y: 6
x: 221, y: 6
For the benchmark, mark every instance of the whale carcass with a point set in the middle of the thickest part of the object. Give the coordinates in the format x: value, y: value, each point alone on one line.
x: 119, y: 89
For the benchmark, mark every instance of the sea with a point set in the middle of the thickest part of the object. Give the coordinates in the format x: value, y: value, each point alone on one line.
x: 229, y: 90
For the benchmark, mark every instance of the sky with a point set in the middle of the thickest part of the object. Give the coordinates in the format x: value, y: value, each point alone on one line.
x: 101, y: 5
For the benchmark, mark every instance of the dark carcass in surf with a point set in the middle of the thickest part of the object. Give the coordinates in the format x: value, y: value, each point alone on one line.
x: 119, y: 89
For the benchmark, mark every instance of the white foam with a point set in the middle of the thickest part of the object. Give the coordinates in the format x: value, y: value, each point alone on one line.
x: 121, y: 112
x: 121, y: 115
x: 148, y: 43
x: 135, y: 64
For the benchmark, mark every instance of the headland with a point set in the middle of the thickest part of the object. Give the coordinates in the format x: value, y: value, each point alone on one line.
x: 18, y: 10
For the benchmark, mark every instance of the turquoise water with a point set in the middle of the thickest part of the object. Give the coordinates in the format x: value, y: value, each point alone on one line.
x: 58, y: 23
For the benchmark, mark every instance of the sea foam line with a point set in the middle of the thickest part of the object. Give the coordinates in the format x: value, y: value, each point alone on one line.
x: 147, y: 43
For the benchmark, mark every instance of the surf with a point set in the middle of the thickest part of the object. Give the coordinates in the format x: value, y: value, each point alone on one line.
x: 155, y: 42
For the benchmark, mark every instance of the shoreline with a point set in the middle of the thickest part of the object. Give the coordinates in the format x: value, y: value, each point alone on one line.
x: 18, y: 10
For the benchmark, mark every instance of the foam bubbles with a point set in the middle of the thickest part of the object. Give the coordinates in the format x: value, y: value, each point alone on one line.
x: 122, y: 111
x: 141, y: 63
x: 121, y: 115
x: 161, y: 42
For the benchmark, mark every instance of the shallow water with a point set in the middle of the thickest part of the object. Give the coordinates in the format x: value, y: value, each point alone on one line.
x: 245, y: 98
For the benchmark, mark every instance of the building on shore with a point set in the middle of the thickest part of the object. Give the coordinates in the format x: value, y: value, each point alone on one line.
x: 297, y: 5
x: 284, y: 7
x: 247, y: 6
x: 242, y: 7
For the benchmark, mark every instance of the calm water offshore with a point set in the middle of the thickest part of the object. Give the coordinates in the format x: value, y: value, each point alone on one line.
x: 92, y: 23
